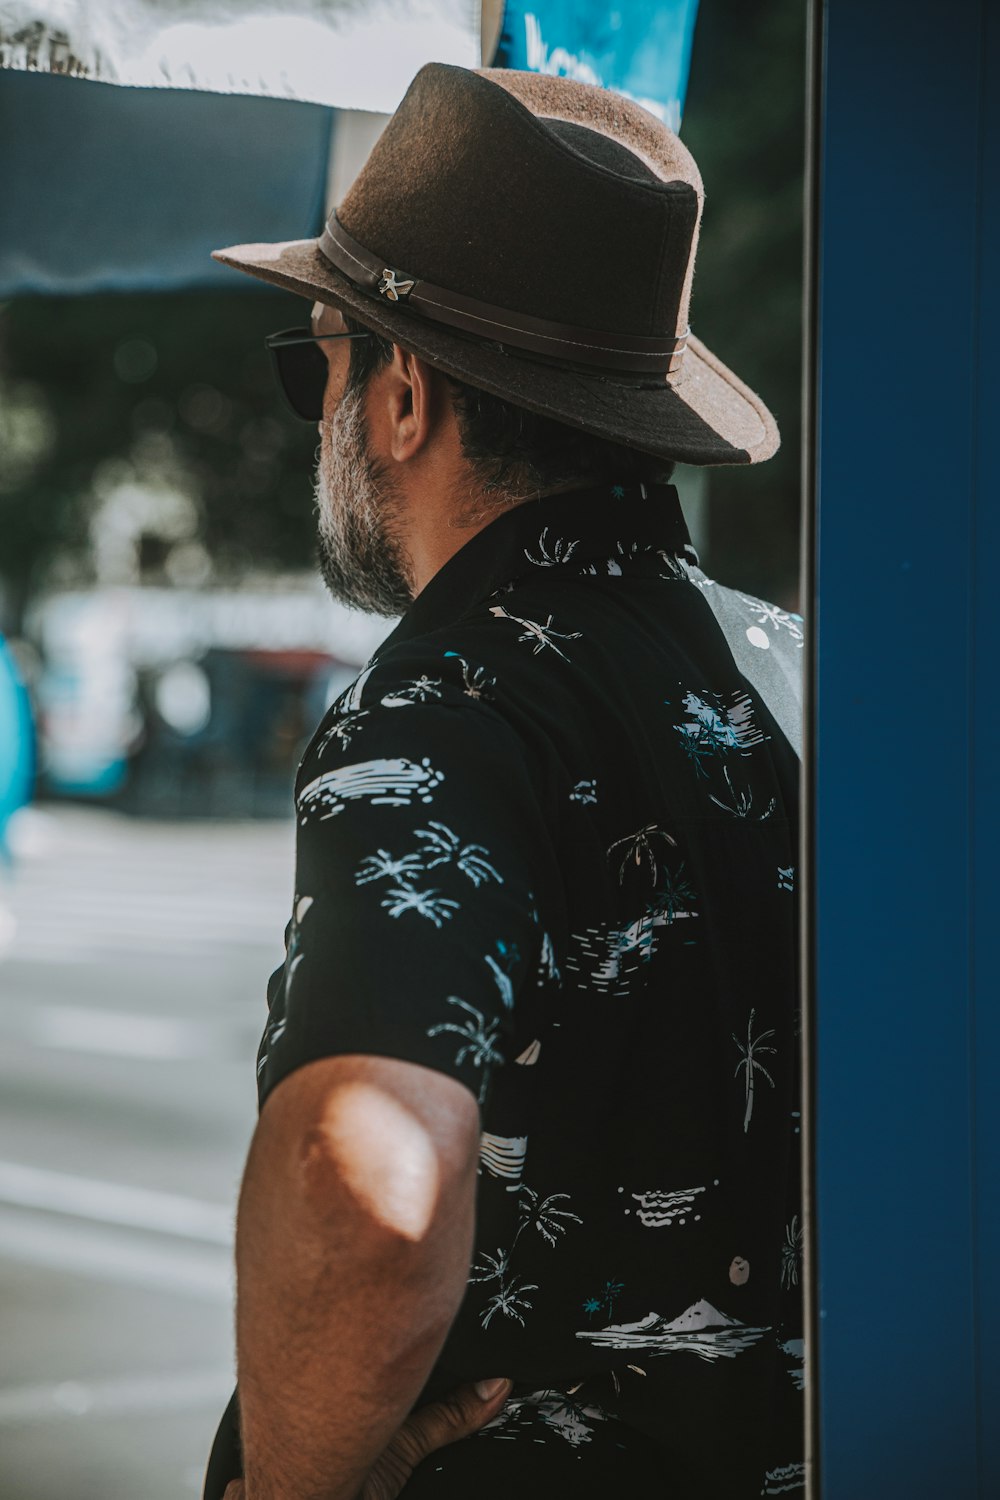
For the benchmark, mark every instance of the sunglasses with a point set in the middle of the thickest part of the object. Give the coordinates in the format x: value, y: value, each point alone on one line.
x: 302, y: 368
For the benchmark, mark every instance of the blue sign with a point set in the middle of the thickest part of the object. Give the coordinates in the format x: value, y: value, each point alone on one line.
x: 641, y: 49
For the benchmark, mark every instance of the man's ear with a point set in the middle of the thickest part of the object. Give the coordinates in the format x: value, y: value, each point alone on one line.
x: 415, y: 398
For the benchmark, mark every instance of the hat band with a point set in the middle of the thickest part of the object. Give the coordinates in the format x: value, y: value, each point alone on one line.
x: 609, y: 351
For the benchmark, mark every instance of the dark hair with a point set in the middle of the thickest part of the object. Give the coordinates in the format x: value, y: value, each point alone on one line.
x: 511, y: 449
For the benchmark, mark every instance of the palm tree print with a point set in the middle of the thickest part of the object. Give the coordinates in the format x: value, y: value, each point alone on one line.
x: 750, y: 1048
x: 494, y: 1267
x: 476, y: 683
x: 791, y: 1254
x: 770, y: 614
x: 430, y: 904
x: 479, y: 1034
x: 444, y: 847
x: 741, y: 805
x: 548, y: 969
x: 441, y: 846
x: 605, y: 1300
x: 638, y: 847
x: 677, y: 567
x: 674, y: 897
x: 697, y: 750
x: 382, y: 865
x: 508, y: 1299
x: 418, y: 690
x: 613, y: 565
x: 504, y: 983
x: 542, y: 635
x: 713, y: 729
x: 343, y: 730
x: 560, y: 551
x: 544, y: 1216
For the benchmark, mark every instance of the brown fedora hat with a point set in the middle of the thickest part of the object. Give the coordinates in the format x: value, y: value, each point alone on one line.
x: 534, y: 237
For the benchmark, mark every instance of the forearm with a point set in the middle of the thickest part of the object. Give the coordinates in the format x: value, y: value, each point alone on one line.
x: 352, y: 1258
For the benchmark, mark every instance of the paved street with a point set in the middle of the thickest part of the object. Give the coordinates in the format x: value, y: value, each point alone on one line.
x: 131, y: 1000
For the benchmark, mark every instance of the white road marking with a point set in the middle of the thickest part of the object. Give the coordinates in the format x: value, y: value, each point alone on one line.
x: 115, y: 1203
x: 126, y: 1395
x: 115, y: 1256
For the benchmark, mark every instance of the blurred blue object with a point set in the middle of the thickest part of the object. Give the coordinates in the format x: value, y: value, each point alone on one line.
x: 642, y: 49
x: 117, y: 189
x: 17, y: 756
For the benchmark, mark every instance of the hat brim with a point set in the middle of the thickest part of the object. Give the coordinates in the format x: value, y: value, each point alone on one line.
x: 708, y: 417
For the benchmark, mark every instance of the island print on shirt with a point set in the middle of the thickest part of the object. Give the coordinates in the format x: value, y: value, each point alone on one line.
x: 534, y: 1417
x: 608, y: 957
x: 716, y: 728
x: 700, y: 1329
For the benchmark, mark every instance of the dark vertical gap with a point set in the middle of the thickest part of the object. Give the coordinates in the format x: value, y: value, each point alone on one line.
x: 975, y: 437
x: 815, y: 53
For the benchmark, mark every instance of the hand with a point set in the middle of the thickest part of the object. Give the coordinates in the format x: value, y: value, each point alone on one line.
x: 456, y: 1416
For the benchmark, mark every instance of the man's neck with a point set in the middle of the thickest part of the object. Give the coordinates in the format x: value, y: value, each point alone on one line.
x: 440, y: 527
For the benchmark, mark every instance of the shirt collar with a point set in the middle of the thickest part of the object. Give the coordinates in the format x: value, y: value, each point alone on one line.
x: 601, y: 531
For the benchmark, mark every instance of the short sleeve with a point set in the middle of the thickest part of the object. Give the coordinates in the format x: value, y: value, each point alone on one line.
x: 415, y: 932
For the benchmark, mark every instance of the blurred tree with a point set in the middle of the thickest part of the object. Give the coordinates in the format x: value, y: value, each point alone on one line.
x: 97, y: 393
x: 745, y: 125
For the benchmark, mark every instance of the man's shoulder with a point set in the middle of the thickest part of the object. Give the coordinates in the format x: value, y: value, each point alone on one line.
x: 409, y: 698
x: 454, y: 668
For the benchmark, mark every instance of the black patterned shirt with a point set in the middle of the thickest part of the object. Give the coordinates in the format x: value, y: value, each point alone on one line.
x: 546, y: 845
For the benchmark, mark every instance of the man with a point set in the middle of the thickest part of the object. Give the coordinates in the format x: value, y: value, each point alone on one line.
x: 522, y: 1204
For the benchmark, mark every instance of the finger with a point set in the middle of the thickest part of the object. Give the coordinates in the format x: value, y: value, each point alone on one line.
x: 234, y: 1490
x: 456, y: 1416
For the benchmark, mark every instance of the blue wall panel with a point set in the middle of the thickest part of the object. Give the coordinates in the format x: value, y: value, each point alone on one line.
x: 985, y: 758
x: 902, y: 578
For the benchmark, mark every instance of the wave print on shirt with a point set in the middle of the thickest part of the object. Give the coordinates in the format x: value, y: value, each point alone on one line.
x: 657, y: 1209
x: 785, y: 1479
x: 389, y: 783
x: 503, y: 1156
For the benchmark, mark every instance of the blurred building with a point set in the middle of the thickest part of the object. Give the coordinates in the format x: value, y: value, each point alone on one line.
x: 189, y: 702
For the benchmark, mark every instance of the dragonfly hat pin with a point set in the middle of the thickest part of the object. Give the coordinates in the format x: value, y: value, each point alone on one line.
x: 563, y: 285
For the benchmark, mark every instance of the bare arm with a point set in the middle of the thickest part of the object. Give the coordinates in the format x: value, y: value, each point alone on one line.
x: 352, y: 1252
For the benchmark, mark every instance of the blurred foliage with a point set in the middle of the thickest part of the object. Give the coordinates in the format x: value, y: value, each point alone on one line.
x: 744, y: 122
x: 97, y: 392
x: 175, y: 388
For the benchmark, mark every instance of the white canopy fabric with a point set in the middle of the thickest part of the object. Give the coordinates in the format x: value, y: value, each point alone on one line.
x: 354, y: 54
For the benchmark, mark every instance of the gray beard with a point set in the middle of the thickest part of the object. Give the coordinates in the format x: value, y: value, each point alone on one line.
x: 361, y: 558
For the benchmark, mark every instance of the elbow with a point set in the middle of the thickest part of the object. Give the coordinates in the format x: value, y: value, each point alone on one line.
x: 369, y: 1166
